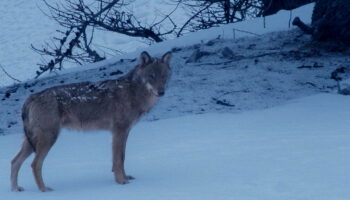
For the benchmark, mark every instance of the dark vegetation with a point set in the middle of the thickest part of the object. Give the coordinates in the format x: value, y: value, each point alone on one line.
x: 330, y: 21
x: 79, y: 20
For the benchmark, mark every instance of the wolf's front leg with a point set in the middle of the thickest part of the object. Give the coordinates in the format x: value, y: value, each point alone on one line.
x: 120, y: 137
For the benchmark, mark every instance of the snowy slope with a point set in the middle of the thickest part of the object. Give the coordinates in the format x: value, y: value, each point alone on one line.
x: 23, y: 24
x: 234, y: 123
x: 233, y: 76
x: 296, y: 151
x: 235, y: 31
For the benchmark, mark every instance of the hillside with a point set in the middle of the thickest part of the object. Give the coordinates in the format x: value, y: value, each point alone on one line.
x: 217, y: 76
x: 251, y: 112
x: 23, y: 23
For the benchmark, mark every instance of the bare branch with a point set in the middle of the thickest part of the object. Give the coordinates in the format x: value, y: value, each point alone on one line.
x: 11, y: 77
x: 81, y: 19
x: 208, y: 13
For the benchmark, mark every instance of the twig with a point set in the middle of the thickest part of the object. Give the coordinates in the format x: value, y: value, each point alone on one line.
x: 223, y: 102
x: 238, y: 58
x: 243, y: 31
x: 13, y: 78
x: 290, y: 18
x: 190, y: 19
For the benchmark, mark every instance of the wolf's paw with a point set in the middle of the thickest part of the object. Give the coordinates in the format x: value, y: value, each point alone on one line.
x: 130, y: 177
x: 17, y: 189
x: 46, y: 189
x: 123, y: 182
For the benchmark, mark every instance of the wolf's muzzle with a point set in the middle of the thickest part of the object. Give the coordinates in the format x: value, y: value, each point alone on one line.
x: 161, y: 93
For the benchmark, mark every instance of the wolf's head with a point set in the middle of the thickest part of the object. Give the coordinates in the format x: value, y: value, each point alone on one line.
x: 154, y: 73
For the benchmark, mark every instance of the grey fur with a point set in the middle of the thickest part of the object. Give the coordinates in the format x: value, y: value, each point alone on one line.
x: 113, y: 105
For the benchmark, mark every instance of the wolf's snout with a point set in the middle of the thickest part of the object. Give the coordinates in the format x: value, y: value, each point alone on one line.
x: 161, y: 93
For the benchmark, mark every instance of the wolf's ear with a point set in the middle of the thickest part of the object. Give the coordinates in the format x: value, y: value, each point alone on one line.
x: 145, y: 58
x: 166, y: 57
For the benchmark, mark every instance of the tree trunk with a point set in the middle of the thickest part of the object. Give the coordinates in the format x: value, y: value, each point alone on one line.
x: 330, y: 21
x: 273, y: 6
x: 227, y: 11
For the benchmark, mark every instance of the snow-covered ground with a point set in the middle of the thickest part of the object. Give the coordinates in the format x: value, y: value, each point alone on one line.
x: 242, y: 118
x: 23, y: 24
x: 244, y: 71
x: 231, y: 76
x: 296, y: 151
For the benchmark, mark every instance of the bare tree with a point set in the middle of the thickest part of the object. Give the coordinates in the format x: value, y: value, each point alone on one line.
x: 208, y: 13
x: 81, y: 19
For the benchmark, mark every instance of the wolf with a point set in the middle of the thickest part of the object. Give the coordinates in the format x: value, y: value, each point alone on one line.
x: 114, y: 105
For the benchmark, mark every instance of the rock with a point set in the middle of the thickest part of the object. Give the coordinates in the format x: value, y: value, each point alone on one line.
x: 196, y: 55
x: 227, y: 52
x: 223, y: 102
x: 176, y: 49
x: 212, y: 42
x: 344, y: 87
x: 116, y: 73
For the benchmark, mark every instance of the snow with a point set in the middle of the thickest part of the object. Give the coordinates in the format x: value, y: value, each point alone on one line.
x: 235, y: 31
x: 284, y: 135
x: 296, y: 151
x: 264, y: 71
x: 24, y: 24
x: 253, y: 27
x: 345, y: 84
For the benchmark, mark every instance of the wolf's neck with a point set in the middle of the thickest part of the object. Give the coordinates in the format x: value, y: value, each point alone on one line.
x: 142, y: 97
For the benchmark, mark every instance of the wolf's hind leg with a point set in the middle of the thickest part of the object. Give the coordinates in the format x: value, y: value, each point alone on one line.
x: 17, y: 162
x: 43, y: 146
x: 37, y: 167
